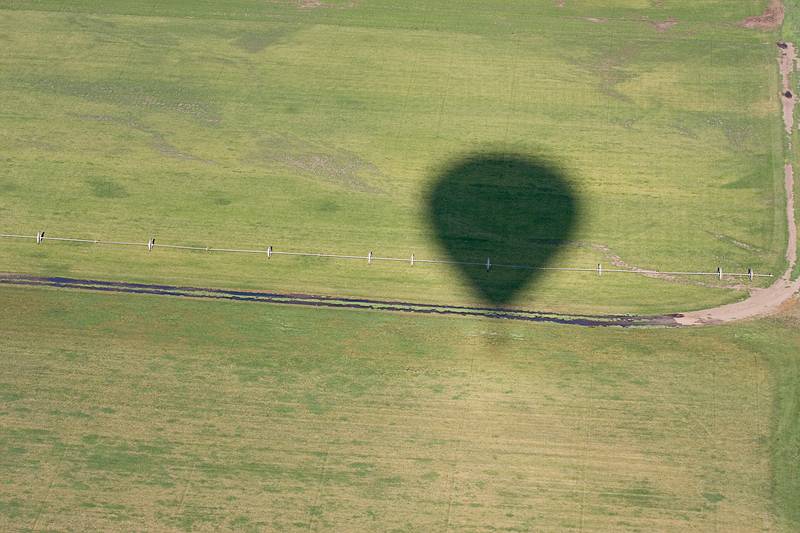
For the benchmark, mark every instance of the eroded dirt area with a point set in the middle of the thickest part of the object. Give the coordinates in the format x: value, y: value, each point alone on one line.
x: 771, y: 19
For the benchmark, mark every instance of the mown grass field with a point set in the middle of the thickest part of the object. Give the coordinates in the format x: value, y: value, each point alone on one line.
x: 127, y: 412
x: 323, y: 129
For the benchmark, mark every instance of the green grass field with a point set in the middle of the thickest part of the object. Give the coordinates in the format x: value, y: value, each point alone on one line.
x: 335, y: 126
x: 130, y: 412
x: 323, y: 129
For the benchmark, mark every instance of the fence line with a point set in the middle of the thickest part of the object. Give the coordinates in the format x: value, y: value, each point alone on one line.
x: 150, y: 245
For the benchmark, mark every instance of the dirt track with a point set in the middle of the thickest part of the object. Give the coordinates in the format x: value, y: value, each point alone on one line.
x: 766, y: 301
x: 761, y: 301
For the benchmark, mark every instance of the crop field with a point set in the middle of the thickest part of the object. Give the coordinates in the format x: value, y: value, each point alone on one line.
x: 328, y: 126
x: 553, y: 133
x: 132, y: 412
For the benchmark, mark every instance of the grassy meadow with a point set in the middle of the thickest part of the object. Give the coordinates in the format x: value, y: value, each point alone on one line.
x: 335, y: 126
x: 325, y: 128
x: 122, y: 412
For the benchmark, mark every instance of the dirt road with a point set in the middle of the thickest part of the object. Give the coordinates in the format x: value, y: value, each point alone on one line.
x: 766, y: 301
x: 761, y: 301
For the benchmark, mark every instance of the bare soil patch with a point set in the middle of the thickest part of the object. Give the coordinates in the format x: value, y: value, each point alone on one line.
x: 595, y: 20
x: 664, y: 25
x: 771, y: 19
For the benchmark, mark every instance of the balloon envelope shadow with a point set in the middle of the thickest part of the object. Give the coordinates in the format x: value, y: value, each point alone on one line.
x: 513, y: 209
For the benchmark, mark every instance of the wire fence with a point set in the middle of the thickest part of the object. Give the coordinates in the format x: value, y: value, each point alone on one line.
x: 412, y: 260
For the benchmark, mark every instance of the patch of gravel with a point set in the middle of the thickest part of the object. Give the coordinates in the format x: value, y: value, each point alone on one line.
x: 771, y: 19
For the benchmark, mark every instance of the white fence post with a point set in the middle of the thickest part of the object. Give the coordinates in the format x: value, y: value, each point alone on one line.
x: 151, y: 244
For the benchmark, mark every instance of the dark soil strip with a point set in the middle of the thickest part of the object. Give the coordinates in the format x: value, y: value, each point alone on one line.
x: 331, y: 302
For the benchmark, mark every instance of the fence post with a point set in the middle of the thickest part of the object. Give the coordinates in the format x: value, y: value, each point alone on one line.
x: 151, y: 244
